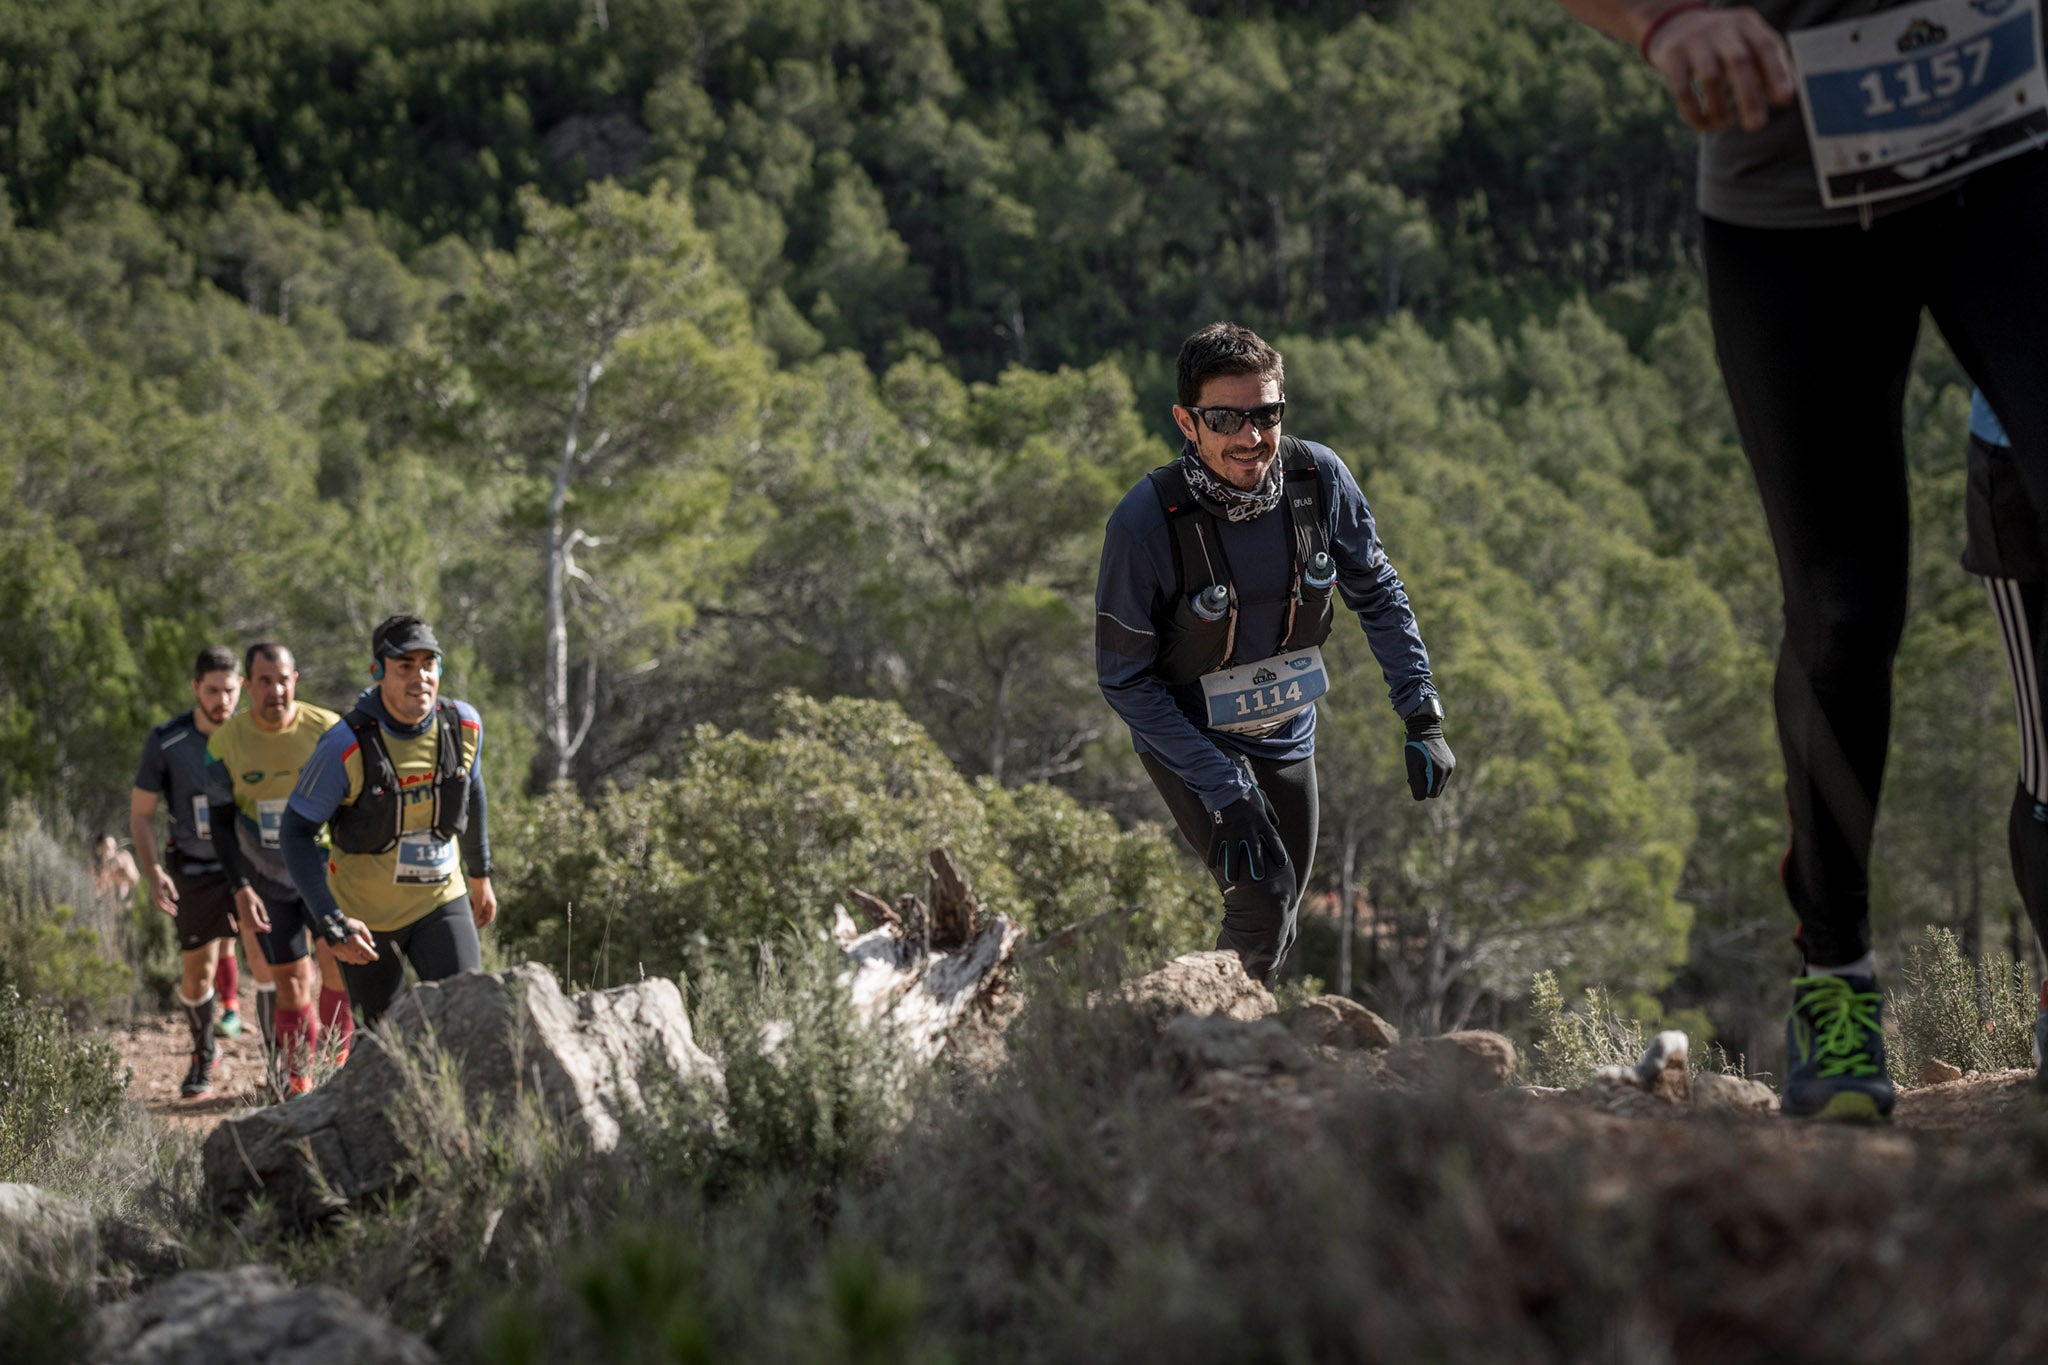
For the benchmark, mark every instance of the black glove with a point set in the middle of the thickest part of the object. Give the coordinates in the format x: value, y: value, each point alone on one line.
x: 1244, y: 841
x: 1430, y: 761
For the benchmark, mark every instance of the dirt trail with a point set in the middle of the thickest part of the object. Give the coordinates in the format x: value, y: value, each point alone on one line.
x: 157, y: 1051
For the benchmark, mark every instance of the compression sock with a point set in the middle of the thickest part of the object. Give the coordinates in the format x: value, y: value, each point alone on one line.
x: 298, y: 1033
x: 266, y: 1014
x: 199, y: 1017
x: 225, y: 981
x: 338, y: 1021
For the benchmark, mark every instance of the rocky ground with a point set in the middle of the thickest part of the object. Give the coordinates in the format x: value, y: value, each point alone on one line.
x: 1657, y: 1214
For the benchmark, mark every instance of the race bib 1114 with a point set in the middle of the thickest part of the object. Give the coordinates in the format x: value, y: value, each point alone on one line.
x: 1258, y: 698
x: 1918, y: 96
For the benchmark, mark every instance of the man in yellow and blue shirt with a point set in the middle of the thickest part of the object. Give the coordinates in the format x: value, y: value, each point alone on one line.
x: 398, y: 785
x: 253, y: 763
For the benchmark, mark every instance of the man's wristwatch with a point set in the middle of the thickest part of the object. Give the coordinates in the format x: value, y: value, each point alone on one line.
x: 335, y: 931
x: 1431, y: 710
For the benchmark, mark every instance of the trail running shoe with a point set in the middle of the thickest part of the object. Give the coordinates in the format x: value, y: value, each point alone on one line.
x: 229, y: 1025
x: 1835, y: 1044
x: 199, y: 1077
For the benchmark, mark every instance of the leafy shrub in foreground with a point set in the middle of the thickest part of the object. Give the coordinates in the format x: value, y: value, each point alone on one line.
x: 49, y: 1078
x: 1979, y: 1017
x: 60, y: 940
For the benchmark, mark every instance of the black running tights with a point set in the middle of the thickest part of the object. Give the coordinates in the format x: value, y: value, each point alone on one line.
x: 1815, y: 331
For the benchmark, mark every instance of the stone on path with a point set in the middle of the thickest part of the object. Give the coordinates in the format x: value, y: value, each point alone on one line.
x: 1470, y: 1059
x: 506, y: 1034
x: 250, y: 1315
x: 1938, y: 1072
x: 1340, y: 1022
x: 1199, y: 983
x: 44, y: 1235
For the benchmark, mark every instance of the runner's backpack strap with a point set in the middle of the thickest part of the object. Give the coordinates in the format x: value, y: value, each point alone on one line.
x: 1198, y: 560
x: 1190, y: 646
x: 370, y: 823
x: 1312, y: 612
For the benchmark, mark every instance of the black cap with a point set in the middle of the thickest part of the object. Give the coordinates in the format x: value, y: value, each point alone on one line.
x: 400, y: 636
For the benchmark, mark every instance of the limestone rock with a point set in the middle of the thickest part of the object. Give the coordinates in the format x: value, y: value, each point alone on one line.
x: 1196, y: 1044
x: 1660, y: 1072
x: 506, y: 1034
x: 1340, y: 1022
x: 46, y: 1235
x: 1199, y: 983
x: 1471, y: 1059
x: 250, y: 1315
x: 1713, y: 1090
x: 1938, y: 1072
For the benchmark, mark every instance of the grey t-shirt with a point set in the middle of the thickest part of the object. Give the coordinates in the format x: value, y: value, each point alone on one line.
x: 174, y: 766
x: 1766, y: 178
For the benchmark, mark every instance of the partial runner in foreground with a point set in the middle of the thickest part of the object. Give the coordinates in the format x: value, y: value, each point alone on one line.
x: 397, y: 783
x: 1219, y: 582
x: 1825, y: 235
x: 2005, y: 546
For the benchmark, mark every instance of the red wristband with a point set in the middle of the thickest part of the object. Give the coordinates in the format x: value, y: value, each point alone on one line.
x: 1657, y: 24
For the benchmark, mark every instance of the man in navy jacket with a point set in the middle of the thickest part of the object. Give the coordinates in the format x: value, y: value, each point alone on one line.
x: 1211, y: 604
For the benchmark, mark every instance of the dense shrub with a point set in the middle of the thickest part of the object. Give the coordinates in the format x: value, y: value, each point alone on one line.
x: 60, y: 940
x: 754, y: 837
x: 1978, y: 1016
x: 50, y: 1078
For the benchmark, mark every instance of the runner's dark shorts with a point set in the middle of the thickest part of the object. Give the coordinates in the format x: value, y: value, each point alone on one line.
x: 206, y: 904
x: 290, y: 936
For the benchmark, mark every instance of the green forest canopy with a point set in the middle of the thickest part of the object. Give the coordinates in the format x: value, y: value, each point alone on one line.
x: 871, y: 308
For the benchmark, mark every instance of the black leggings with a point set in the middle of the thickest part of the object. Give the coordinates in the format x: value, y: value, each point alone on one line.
x: 440, y: 944
x: 1258, y: 917
x: 1815, y: 331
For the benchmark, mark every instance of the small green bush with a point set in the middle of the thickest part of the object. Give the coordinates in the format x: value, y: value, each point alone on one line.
x: 51, y: 1079
x: 1571, y: 1044
x: 60, y: 940
x: 1977, y: 1017
x: 755, y: 837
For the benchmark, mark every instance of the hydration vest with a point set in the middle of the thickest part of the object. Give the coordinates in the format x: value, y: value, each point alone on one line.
x: 1190, y: 646
x: 373, y: 822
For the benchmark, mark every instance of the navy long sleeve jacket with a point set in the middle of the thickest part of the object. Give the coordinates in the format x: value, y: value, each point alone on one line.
x: 1134, y: 590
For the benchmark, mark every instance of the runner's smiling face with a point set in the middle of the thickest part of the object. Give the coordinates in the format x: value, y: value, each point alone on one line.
x: 410, y: 685
x: 1242, y: 458
x: 273, y: 688
x: 217, y: 694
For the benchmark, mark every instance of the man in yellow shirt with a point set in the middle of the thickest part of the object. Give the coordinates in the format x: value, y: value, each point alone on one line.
x: 253, y: 762
x: 398, y: 785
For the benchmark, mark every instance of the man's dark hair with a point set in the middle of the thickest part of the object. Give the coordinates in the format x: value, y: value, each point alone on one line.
x: 271, y: 650
x: 1218, y: 349
x: 215, y: 659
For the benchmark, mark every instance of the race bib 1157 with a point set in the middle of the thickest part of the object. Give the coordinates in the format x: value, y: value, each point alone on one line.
x: 1918, y: 96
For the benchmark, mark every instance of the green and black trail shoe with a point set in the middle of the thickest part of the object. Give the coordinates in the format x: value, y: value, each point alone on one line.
x: 1835, y: 1044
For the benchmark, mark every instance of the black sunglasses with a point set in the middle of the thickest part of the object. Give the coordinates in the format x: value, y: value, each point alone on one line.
x: 1226, y: 421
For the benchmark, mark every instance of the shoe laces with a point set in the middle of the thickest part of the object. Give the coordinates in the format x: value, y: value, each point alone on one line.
x: 1843, y: 1020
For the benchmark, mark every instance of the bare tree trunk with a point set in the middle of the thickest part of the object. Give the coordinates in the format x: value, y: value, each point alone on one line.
x: 1347, y: 896
x: 555, y: 698
x: 999, y: 721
